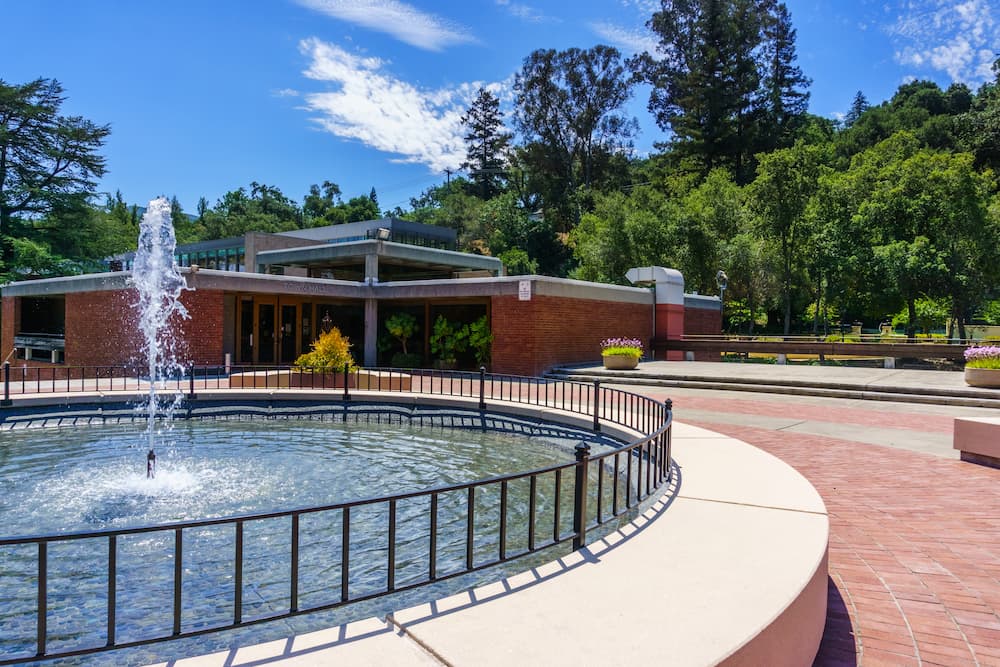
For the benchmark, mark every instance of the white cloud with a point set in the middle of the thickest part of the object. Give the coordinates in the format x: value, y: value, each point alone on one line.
x: 631, y: 41
x: 285, y: 92
x: 372, y: 106
x: 956, y: 38
x: 404, y: 22
x: 525, y: 12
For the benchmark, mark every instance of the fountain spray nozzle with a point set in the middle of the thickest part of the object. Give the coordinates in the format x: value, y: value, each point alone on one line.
x: 151, y: 464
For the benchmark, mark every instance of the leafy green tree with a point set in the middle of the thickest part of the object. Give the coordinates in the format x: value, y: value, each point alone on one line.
x: 569, y: 110
x: 46, y: 159
x: 264, y: 209
x: 486, y: 144
x: 786, y: 180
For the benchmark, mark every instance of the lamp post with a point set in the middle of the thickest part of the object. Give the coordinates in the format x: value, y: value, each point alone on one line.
x: 722, y: 280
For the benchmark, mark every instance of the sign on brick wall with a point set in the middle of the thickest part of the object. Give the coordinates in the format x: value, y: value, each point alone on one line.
x: 524, y: 290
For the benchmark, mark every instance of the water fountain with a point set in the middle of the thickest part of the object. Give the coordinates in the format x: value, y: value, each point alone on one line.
x: 159, y: 284
x: 79, y: 487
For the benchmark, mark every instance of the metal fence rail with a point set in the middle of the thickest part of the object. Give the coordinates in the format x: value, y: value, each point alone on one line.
x: 601, y: 487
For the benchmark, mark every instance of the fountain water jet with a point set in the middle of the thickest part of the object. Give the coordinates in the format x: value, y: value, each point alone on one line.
x: 159, y: 283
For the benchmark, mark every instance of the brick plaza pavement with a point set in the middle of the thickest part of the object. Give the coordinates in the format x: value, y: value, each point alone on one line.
x: 915, y: 538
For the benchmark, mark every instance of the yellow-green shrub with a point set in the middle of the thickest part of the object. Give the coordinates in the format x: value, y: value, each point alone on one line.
x: 329, y: 352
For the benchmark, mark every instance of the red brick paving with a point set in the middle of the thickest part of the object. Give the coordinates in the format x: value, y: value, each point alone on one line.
x: 914, y: 550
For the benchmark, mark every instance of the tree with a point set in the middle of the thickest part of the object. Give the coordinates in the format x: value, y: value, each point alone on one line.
x: 726, y: 84
x: 486, y: 143
x: 786, y: 98
x: 46, y: 159
x: 786, y: 179
x: 568, y: 107
x: 858, y: 107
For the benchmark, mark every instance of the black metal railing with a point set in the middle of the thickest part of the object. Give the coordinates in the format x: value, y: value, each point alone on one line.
x: 591, y: 491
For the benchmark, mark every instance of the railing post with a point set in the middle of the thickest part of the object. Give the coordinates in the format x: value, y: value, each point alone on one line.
x: 597, y: 406
x: 580, y: 497
x: 482, y: 387
x: 191, y: 395
x: 669, y: 404
x: 6, y: 386
x: 347, y: 377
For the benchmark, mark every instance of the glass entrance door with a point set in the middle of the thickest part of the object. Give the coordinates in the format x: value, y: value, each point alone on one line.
x: 266, y: 339
x: 288, y: 337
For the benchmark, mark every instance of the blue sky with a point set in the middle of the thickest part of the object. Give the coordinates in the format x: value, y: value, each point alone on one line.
x: 207, y: 96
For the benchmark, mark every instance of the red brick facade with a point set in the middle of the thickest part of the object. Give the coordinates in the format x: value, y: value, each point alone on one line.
x: 101, y: 329
x: 703, y: 321
x: 532, y: 336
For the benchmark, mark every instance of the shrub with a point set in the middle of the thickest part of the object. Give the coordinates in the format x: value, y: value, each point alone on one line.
x: 629, y: 347
x: 983, y: 357
x: 402, y: 326
x: 481, y: 340
x: 407, y: 360
x: 329, y: 352
x: 448, y: 339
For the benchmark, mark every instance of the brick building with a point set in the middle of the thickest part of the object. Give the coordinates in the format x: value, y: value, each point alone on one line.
x: 270, y: 296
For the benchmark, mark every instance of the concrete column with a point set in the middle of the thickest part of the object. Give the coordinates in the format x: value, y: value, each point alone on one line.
x: 371, y: 333
x: 371, y: 268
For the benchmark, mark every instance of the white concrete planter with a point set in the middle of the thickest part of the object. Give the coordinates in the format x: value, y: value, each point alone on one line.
x: 983, y: 377
x: 620, y: 362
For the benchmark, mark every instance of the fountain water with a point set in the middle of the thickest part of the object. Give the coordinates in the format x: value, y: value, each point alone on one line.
x: 159, y: 283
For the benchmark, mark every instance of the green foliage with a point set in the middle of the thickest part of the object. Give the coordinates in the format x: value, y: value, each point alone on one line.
x: 449, y: 339
x: 330, y: 352
x: 48, y: 163
x: 402, y: 326
x: 481, y: 340
x: 930, y: 314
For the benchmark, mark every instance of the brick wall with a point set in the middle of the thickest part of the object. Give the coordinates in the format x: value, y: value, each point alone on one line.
x: 702, y: 321
x: 101, y: 328
x: 8, y: 325
x: 532, y: 336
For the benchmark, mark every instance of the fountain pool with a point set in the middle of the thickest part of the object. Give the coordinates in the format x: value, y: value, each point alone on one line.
x: 91, y: 478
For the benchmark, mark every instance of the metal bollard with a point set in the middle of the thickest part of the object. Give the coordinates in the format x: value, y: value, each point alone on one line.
x: 482, y: 387
x: 597, y: 406
x: 191, y: 395
x: 6, y: 386
x: 580, y: 497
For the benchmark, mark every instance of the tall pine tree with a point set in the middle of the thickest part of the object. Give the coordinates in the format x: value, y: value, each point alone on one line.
x: 486, y: 144
x: 784, y: 86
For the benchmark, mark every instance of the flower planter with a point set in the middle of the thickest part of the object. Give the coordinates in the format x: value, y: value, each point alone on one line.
x: 983, y: 377
x: 620, y: 362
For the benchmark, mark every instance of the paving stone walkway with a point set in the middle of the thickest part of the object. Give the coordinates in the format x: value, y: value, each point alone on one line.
x: 915, y: 538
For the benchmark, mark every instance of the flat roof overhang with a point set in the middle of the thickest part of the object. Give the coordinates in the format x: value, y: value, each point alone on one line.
x: 400, y: 254
x: 259, y: 283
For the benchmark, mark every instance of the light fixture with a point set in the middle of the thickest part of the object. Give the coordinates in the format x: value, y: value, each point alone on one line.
x: 382, y: 233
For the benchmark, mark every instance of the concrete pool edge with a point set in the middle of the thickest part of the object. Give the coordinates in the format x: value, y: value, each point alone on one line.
x: 729, y: 570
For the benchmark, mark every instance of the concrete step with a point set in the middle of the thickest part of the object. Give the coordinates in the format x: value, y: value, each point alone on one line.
x: 828, y: 389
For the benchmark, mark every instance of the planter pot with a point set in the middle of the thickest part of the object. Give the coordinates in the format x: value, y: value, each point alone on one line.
x: 620, y: 362
x: 983, y: 377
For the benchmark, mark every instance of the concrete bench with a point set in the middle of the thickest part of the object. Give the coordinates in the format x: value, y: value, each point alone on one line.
x: 978, y: 440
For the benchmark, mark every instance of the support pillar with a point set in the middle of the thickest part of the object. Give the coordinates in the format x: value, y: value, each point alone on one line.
x: 371, y: 269
x: 371, y: 333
